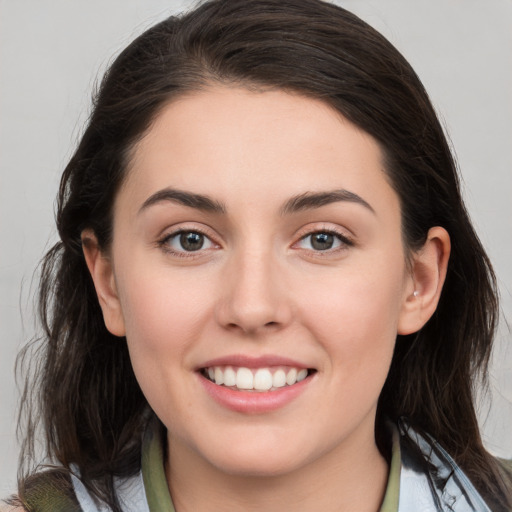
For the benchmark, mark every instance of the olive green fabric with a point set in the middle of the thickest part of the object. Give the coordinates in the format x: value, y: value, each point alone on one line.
x: 49, y: 491
x: 52, y: 491
x: 153, y: 474
x: 390, y: 502
x: 507, y: 464
x: 159, y: 498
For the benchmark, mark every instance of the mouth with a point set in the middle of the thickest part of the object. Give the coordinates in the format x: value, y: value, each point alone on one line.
x: 258, y: 380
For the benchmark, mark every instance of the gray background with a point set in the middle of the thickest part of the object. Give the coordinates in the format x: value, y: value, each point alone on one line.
x: 50, y: 54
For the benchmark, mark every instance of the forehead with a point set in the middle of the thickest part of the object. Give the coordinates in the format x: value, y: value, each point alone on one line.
x: 234, y: 143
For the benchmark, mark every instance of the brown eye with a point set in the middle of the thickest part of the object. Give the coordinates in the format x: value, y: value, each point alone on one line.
x: 319, y: 241
x: 322, y: 241
x: 191, y: 241
x: 186, y: 241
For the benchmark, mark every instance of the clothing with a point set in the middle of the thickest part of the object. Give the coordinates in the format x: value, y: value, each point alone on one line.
x: 413, y: 484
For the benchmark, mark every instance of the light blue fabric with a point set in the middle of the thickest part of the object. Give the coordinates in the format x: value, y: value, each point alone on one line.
x: 442, y: 487
x: 439, y: 486
x: 130, y: 491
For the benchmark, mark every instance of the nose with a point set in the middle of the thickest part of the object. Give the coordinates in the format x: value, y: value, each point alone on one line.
x: 254, y: 298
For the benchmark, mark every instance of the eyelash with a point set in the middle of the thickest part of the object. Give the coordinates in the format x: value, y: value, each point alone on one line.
x: 164, y: 243
x: 345, y: 241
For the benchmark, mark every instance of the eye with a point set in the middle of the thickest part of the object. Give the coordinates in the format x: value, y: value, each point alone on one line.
x: 187, y: 241
x: 323, y: 241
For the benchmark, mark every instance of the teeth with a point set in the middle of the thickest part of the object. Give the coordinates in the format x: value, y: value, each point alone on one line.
x: 219, y: 376
x: 302, y: 375
x: 229, y: 377
x: 261, y: 379
x: 244, y: 378
x: 291, y: 377
x: 279, y: 379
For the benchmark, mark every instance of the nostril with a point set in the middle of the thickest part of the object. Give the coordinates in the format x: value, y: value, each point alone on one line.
x: 233, y: 326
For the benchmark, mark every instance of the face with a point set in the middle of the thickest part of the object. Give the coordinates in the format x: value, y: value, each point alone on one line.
x: 258, y: 273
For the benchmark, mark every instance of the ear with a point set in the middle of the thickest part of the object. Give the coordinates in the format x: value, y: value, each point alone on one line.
x: 102, y: 273
x: 428, y: 272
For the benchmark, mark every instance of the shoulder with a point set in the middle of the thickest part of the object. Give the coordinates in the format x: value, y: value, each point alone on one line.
x: 46, y: 491
x: 506, y: 464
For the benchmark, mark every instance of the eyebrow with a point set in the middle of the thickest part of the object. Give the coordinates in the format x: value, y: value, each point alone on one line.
x: 311, y: 200
x: 301, y: 202
x: 190, y: 199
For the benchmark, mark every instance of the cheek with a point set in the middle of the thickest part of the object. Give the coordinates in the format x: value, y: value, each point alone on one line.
x: 163, y: 314
x: 164, y: 319
x: 354, y: 315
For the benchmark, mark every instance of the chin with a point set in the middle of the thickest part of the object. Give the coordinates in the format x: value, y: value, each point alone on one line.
x: 259, y: 466
x: 263, y: 458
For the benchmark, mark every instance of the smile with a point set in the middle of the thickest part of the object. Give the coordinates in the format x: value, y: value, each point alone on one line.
x: 255, y: 385
x: 255, y: 379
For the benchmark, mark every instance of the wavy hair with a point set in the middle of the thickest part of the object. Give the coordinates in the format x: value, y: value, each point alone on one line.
x: 84, y: 392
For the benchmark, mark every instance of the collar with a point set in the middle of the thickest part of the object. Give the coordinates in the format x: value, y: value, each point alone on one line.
x: 153, y: 470
x: 422, y: 475
x: 157, y: 490
x: 430, y: 480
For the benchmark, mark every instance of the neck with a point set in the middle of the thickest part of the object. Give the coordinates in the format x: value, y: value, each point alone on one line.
x: 344, y: 478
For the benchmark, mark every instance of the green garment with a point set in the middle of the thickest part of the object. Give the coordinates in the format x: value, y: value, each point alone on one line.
x: 159, y: 498
x: 53, y: 491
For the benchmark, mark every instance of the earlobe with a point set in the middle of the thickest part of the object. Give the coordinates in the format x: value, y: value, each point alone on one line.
x: 428, y: 273
x: 102, y: 273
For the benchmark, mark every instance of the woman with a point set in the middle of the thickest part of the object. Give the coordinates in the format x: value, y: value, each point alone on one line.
x: 260, y: 297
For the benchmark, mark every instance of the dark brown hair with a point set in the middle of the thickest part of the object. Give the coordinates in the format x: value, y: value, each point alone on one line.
x: 85, y: 392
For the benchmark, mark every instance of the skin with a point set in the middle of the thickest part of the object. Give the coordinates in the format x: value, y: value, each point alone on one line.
x: 258, y: 287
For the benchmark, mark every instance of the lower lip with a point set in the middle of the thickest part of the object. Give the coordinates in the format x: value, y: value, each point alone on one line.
x: 255, y: 402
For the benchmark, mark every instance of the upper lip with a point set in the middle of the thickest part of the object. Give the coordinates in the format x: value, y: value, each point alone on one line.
x: 244, y: 361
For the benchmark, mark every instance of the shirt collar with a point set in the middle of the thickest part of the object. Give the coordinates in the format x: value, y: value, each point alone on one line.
x: 392, y: 495
x: 153, y: 469
x: 157, y: 490
x: 422, y: 476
